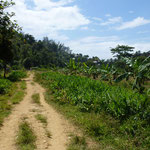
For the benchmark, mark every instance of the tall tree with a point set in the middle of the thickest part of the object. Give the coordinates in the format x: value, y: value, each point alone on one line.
x: 122, y: 51
x: 7, y: 31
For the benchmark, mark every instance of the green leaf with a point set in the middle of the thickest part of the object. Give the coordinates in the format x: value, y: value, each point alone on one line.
x: 122, y: 77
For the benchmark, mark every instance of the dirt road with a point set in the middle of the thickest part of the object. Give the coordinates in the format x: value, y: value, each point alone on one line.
x: 57, y: 125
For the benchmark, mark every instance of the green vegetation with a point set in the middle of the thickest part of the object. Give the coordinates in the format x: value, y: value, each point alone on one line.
x: 17, y: 75
x: 36, y: 98
x: 77, y: 143
x: 10, y: 93
x: 8, y: 28
x: 4, y: 86
x: 112, y: 114
x: 32, y: 83
x: 93, y: 95
x: 18, y: 97
x: 41, y: 118
x: 26, y: 138
x: 23, y: 85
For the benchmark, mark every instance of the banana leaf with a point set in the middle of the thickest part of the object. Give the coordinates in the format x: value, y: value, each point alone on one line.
x: 144, y: 67
x: 122, y: 77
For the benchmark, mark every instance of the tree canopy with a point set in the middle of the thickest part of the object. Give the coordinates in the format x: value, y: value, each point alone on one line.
x: 7, y: 31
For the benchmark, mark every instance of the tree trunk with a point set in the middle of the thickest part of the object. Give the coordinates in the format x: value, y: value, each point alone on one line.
x: 4, y: 70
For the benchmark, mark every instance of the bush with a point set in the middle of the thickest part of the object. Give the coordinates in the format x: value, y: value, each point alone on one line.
x: 4, y: 86
x: 17, y: 75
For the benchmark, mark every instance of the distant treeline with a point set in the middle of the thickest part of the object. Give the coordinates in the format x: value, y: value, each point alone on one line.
x: 29, y: 52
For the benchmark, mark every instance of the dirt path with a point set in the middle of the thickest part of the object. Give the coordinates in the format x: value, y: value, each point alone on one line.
x: 57, y: 125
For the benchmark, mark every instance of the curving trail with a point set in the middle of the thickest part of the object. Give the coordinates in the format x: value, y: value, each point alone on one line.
x: 57, y: 125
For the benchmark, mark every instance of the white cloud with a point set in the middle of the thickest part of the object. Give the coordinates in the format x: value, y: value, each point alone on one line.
x: 139, y: 21
x: 100, y: 46
x: 97, y: 19
x: 84, y: 28
x: 108, y: 15
x: 142, y: 32
x: 131, y: 11
x: 113, y: 20
x: 47, y: 4
x: 95, y: 46
x: 96, y: 39
x: 143, y: 47
x: 48, y: 18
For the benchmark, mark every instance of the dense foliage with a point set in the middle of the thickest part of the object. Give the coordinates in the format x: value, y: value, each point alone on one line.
x: 4, y: 86
x: 45, y: 53
x: 95, y: 95
x: 17, y: 75
x: 7, y: 31
x: 129, y: 107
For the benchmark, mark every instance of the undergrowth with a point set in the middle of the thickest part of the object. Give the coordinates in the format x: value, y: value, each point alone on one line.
x: 115, y: 116
x: 17, y: 75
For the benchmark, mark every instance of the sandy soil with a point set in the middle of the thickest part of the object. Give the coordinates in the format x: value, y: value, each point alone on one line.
x: 57, y: 125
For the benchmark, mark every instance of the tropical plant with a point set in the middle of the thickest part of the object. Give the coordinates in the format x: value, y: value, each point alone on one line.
x: 138, y: 70
x: 108, y: 73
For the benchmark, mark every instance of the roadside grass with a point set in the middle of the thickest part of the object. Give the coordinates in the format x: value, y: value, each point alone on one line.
x: 23, y: 85
x: 36, y: 98
x: 77, y: 143
x: 101, y: 127
x: 32, y: 83
x: 14, y: 96
x: 41, y: 118
x: 26, y: 138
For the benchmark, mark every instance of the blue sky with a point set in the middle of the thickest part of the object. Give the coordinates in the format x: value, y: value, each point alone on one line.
x: 87, y: 26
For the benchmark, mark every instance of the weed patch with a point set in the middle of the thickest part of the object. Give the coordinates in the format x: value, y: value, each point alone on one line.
x: 77, y: 143
x: 36, y: 98
x: 41, y: 118
x: 26, y: 138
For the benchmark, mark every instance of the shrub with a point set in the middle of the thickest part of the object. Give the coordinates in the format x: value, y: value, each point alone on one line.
x: 4, y: 86
x: 17, y: 75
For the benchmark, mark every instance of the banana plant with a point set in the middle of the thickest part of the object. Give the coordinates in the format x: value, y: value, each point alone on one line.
x: 139, y: 71
x: 73, y: 67
x: 91, y: 71
x: 108, y: 73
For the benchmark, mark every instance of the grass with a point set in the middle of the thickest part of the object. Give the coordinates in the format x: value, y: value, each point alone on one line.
x: 41, y: 118
x: 26, y: 138
x: 77, y: 143
x: 18, y: 96
x: 23, y: 85
x: 116, y: 117
x: 36, y: 98
x: 14, y: 96
x: 101, y: 127
x: 32, y: 83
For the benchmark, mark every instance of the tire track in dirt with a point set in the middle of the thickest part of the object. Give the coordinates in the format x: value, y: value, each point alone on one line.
x: 57, y: 125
